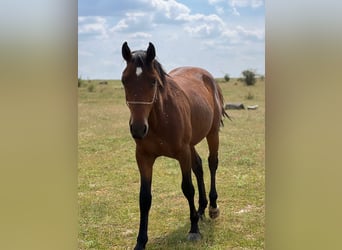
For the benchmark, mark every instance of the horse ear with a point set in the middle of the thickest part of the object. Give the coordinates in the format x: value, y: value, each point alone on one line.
x: 126, y: 52
x: 151, y: 53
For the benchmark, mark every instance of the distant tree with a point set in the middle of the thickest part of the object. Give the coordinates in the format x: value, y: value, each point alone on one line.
x: 226, y: 77
x: 249, y: 77
x: 79, y: 81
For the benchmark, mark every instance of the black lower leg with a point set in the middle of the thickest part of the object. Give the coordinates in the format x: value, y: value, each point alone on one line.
x: 189, y: 192
x: 198, y: 170
x: 213, y: 162
x: 145, y: 201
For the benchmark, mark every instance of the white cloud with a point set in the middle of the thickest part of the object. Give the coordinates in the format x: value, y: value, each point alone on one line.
x: 156, y: 12
x: 235, y: 12
x: 200, y: 18
x: 256, y: 33
x: 172, y: 13
x: 171, y: 9
x: 257, y: 3
x: 135, y: 22
x: 246, y: 3
x: 92, y: 26
x: 200, y: 30
x: 219, y: 10
x: 231, y: 34
x: 235, y: 4
x: 202, y: 25
x: 241, y: 35
x: 138, y: 35
x: 212, y: 2
x: 110, y: 7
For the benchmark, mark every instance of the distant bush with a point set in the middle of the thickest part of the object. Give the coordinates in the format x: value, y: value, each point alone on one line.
x: 249, y: 77
x: 91, y: 88
x: 226, y: 77
x: 79, y: 84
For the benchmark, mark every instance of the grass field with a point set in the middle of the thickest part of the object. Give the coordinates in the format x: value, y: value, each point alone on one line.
x: 108, y: 178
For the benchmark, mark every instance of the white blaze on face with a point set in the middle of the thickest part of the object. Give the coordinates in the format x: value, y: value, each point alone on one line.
x: 138, y: 71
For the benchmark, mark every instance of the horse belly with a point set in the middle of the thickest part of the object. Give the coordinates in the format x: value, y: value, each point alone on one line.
x: 201, y: 121
x: 200, y: 97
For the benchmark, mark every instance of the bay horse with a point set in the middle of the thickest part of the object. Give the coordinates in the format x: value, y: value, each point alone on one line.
x: 170, y: 114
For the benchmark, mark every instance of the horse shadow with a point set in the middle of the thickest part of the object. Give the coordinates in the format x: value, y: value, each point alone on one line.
x: 177, y: 239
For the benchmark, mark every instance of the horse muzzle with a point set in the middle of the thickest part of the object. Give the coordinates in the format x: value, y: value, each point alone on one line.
x: 138, y: 131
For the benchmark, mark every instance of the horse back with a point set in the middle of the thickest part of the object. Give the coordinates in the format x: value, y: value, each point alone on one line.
x: 204, y: 98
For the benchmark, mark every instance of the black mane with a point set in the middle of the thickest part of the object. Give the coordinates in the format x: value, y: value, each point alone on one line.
x: 139, y: 60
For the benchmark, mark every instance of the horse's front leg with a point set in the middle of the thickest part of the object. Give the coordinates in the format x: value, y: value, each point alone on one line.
x: 145, y: 163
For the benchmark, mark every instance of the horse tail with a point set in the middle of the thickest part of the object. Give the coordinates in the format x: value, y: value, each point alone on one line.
x: 212, y: 84
x: 221, y: 102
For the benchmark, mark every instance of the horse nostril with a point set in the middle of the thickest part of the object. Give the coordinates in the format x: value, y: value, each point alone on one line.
x: 138, y: 131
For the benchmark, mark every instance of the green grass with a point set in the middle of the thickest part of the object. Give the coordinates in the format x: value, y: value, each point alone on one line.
x: 109, y: 179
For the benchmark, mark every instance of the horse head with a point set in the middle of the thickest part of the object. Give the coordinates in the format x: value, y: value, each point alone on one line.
x: 140, y: 80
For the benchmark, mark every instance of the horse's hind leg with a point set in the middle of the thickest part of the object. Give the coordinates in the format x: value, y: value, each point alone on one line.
x: 213, y: 143
x: 198, y: 170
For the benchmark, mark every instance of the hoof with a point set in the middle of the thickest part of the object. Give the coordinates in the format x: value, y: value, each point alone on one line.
x: 194, y: 236
x: 214, y: 212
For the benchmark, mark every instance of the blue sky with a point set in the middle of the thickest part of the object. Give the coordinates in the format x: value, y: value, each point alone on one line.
x: 222, y: 36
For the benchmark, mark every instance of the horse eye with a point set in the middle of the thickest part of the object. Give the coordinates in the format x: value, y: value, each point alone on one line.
x: 154, y: 82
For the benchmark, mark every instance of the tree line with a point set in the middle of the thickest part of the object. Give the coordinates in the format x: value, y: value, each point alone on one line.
x: 249, y: 77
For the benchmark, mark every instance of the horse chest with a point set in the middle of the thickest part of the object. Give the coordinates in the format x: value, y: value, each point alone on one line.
x: 161, y: 146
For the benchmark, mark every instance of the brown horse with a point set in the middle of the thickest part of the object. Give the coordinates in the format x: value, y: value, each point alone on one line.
x: 170, y: 114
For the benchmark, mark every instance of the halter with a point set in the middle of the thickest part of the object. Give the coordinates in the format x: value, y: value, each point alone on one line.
x: 146, y: 103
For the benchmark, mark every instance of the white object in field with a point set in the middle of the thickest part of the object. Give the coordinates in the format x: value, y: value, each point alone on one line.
x: 252, y: 107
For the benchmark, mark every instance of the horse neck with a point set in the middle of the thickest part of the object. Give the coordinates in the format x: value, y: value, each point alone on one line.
x: 164, y: 101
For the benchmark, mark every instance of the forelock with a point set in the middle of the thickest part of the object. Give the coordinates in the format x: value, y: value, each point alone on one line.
x: 139, y: 58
